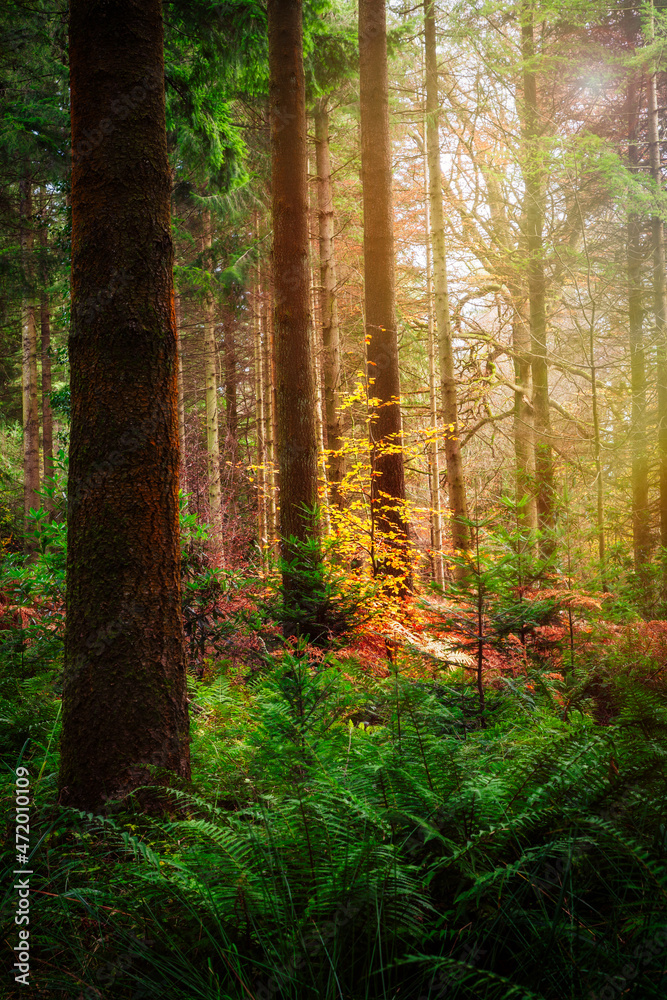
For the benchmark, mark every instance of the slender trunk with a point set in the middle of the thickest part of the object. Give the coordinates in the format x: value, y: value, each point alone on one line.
x: 455, y: 474
x: 599, y: 483
x: 260, y: 420
x: 388, y: 475
x: 434, y: 458
x: 212, y: 424
x: 295, y: 395
x: 659, y: 308
x: 29, y: 363
x: 268, y: 374
x: 45, y: 324
x: 523, y: 420
x: 329, y: 303
x: 183, y: 468
x: 533, y: 172
x: 641, y: 534
x: 125, y: 719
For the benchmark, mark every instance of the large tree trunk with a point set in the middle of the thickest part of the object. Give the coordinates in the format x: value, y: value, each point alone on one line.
x: 125, y: 720
x: 29, y: 364
x: 45, y: 324
x: 295, y: 390
x: 388, y: 475
x: 212, y: 423
x: 455, y: 475
x: 533, y: 172
x: 329, y: 303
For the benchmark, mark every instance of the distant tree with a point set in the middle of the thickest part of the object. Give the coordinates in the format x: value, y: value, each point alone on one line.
x: 124, y: 692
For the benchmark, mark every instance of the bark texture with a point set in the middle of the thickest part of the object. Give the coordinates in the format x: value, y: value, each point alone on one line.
x: 211, y: 389
x: 641, y: 533
x: 455, y: 476
x: 125, y: 719
x: 533, y: 175
x: 329, y: 303
x: 29, y: 361
x: 388, y: 483
x: 295, y: 389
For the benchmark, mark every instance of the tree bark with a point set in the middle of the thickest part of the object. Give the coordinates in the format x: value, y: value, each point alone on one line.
x: 329, y: 304
x: 384, y: 388
x: 641, y: 534
x: 433, y: 451
x: 523, y: 421
x: 29, y: 363
x: 212, y: 423
x: 45, y: 325
x: 533, y: 175
x: 125, y: 721
x: 455, y: 475
x: 182, y: 466
x: 659, y: 306
x: 295, y: 390
x: 258, y: 350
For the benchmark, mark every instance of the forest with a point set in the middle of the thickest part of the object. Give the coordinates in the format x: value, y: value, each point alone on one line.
x: 333, y: 499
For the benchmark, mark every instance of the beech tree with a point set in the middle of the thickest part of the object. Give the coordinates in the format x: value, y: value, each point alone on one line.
x: 125, y: 717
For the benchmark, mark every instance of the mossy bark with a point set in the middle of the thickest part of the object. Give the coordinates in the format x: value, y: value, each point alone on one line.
x: 125, y: 720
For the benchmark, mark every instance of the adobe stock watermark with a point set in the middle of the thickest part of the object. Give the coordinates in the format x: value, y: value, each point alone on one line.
x: 21, y: 950
x: 645, y: 954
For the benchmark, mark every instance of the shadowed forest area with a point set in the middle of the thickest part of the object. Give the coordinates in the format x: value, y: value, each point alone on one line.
x: 333, y: 499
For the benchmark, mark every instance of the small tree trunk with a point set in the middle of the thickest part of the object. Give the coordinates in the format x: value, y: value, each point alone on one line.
x: 388, y: 475
x: 29, y: 364
x: 268, y: 374
x: 660, y: 309
x: 295, y: 395
x: 45, y: 323
x: 259, y: 420
x: 329, y: 303
x: 183, y: 467
x: 641, y: 535
x: 455, y: 475
x: 212, y: 427
x: 523, y: 420
x: 534, y: 215
x: 434, y: 462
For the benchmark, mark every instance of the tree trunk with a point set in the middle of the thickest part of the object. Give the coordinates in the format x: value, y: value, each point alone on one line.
x: 212, y: 425
x: 125, y: 720
x: 659, y: 308
x: 523, y: 421
x: 534, y: 217
x: 295, y: 390
x: 455, y: 475
x: 433, y: 455
x: 260, y: 421
x: 388, y: 475
x: 329, y: 303
x: 45, y: 323
x: 29, y: 364
x: 270, y: 423
x: 183, y: 471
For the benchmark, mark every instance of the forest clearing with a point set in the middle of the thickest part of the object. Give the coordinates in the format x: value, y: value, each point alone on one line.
x: 333, y: 499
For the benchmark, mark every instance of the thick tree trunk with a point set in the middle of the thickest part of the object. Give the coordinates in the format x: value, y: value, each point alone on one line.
x: 295, y: 390
x: 212, y: 423
x: 534, y: 215
x: 455, y: 475
x: 125, y: 719
x: 388, y: 475
x: 659, y: 309
x: 29, y: 364
x: 45, y: 324
x: 329, y: 303
x: 641, y: 534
